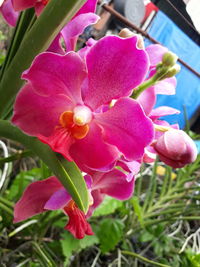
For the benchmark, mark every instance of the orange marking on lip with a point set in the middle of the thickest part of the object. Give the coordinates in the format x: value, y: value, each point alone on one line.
x: 79, y: 132
x: 66, y: 120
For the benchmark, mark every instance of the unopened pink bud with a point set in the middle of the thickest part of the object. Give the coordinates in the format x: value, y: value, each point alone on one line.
x: 176, y: 148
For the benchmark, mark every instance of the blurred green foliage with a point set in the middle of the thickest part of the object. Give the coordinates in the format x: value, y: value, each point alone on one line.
x: 153, y: 225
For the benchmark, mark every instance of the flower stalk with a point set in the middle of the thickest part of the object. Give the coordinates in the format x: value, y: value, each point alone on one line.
x: 158, y: 76
x: 165, y: 69
x: 143, y: 259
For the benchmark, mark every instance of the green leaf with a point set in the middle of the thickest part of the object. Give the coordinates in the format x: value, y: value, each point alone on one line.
x: 23, y: 22
x: 193, y: 258
x: 43, y: 255
x: 138, y: 209
x: 108, y: 206
x: 56, y: 14
x: 109, y: 233
x: 74, y: 183
x: 146, y: 236
x: 70, y: 244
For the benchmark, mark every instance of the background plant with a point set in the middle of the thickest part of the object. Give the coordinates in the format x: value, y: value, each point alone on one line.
x: 153, y: 224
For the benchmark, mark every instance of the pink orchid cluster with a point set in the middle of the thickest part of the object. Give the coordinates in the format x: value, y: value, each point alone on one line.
x: 79, y: 104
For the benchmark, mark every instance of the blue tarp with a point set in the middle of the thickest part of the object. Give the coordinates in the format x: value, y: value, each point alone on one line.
x: 188, y: 84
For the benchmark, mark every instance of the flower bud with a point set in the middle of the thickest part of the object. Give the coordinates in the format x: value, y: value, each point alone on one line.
x: 176, y: 148
x: 173, y: 71
x: 169, y: 59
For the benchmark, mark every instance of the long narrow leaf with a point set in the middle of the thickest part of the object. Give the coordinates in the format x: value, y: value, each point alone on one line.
x: 56, y: 14
x: 74, y: 183
x: 20, y: 29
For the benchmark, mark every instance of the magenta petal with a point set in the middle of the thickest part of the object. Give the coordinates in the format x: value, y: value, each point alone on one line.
x: 114, y: 184
x: 115, y: 67
x: 131, y: 167
x: 163, y: 111
x: 55, y: 46
x: 88, y: 181
x: 9, y: 14
x: 89, y: 6
x: 149, y: 157
x: 126, y: 126
x: 52, y: 74
x: 98, y: 198
x: 84, y: 51
x: 147, y: 99
x: 34, y: 198
x: 76, y: 27
x: 36, y: 114
x: 92, y: 151
x: 155, y: 53
x: 20, y: 5
x: 166, y: 86
x: 58, y: 200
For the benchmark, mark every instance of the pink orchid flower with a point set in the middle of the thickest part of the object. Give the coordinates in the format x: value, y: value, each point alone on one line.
x: 8, y: 13
x: 49, y: 194
x: 176, y: 148
x: 63, y: 103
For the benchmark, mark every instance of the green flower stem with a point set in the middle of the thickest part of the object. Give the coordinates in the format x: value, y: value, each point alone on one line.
x: 56, y: 14
x: 172, y: 217
x: 160, y: 203
x: 151, y: 189
x: 74, y: 183
x: 5, y: 208
x: 6, y: 202
x: 169, y: 171
x: 186, y: 189
x: 143, y: 259
x: 165, y: 183
x: 188, y: 218
x: 41, y: 253
x: 188, y: 208
x: 150, y: 82
x: 17, y: 156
